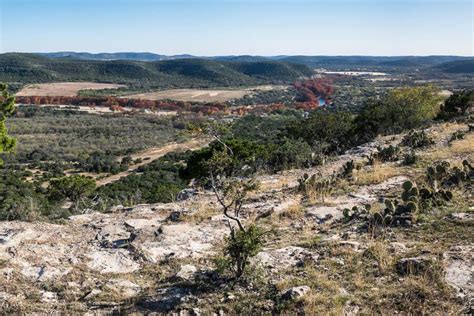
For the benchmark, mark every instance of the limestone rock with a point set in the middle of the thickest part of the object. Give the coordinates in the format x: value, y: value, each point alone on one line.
x: 459, y: 263
x: 284, y: 257
x: 186, y: 272
x: 295, y: 293
x: 186, y: 194
x: 124, y: 288
x: 114, y: 236
x: 49, y: 297
x: 112, y: 261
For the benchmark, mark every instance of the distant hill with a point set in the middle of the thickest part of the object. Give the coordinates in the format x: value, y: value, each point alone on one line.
x: 113, y: 56
x: 31, y: 68
x: 311, y: 61
x: 371, y: 61
x: 457, y: 66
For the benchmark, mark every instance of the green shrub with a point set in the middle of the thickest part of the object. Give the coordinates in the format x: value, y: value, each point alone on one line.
x: 7, y: 106
x: 457, y: 135
x: 157, y: 182
x: 291, y: 154
x: 410, y: 159
x: 245, y: 153
x: 326, y: 132
x: 398, y: 110
x: 19, y: 199
x: 72, y: 188
x: 457, y: 104
x: 239, y: 247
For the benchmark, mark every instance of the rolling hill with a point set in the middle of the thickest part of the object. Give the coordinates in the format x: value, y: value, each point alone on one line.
x: 311, y: 61
x: 112, y: 56
x: 31, y: 68
x: 457, y: 67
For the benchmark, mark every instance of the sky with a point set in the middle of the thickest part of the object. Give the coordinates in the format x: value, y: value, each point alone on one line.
x: 240, y: 27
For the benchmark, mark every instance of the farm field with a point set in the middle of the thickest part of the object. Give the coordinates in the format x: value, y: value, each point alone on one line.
x: 202, y: 95
x: 69, y: 89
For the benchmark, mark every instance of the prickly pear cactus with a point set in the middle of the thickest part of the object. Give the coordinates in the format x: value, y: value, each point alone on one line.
x: 417, y: 139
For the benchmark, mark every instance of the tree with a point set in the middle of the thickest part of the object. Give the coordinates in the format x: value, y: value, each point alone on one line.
x: 457, y: 104
x: 7, y: 107
x: 325, y: 131
x: 72, y: 188
x: 398, y: 110
x: 243, y: 242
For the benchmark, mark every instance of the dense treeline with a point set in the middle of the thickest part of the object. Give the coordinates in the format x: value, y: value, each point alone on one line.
x: 118, y: 105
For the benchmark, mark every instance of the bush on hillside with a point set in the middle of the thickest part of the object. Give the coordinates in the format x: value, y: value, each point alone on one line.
x: 398, y: 110
x: 457, y: 104
x: 326, y: 132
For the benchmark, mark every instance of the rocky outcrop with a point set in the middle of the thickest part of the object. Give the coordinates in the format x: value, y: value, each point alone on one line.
x: 295, y: 293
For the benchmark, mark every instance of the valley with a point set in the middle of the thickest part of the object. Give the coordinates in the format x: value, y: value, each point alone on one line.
x: 131, y: 183
x: 221, y: 158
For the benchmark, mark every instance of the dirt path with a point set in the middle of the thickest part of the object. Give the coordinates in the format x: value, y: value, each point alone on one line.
x: 152, y: 154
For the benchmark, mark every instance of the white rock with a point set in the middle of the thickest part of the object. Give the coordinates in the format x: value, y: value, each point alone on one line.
x: 459, y: 262
x: 284, y: 257
x: 43, y: 273
x: 124, y: 287
x: 186, y: 272
x: 113, y: 236
x: 295, y: 292
x: 182, y: 240
x: 112, y: 261
x: 49, y: 297
x: 7, y: 272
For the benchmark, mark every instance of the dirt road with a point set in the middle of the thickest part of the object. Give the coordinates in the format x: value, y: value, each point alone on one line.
x: 152, y: 154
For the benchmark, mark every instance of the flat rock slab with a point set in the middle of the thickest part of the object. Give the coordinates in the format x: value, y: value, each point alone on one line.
x: 284, y: 257
x: 125, y: 288
x: 459, y: 263
x: 112, y: 261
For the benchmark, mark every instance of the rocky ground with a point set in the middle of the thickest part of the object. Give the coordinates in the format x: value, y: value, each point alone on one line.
x: 159, y: 258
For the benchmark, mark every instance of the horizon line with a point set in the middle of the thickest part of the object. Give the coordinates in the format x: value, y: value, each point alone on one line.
x: 236, y: 55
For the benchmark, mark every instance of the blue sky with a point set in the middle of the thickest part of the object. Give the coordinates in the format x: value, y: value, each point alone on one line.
x: 225, y: 27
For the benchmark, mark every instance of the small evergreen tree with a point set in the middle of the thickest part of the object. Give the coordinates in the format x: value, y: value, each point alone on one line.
x: 7, y: 106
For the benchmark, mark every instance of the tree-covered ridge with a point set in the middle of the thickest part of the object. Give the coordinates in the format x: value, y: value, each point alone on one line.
x: 30, y: 68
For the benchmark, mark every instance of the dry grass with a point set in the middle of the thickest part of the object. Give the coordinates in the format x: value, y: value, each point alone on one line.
x: 198, y: 95
x: 378, y: 173
x: 275, y: 183
x: 461, y: 148
x: 204, y: 212
x: 294, y: 211
x: 443, y: 131
x: 203, y: 95
x: 378, y: 250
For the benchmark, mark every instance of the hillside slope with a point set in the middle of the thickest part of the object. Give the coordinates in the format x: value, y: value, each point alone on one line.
x: 159, y: 257
x: 30, y: 68
x: 457, y: 67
